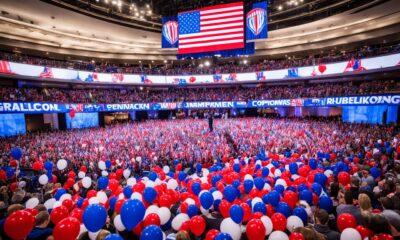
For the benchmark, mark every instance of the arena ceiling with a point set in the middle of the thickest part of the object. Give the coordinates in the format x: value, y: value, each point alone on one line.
x: 46, y: 28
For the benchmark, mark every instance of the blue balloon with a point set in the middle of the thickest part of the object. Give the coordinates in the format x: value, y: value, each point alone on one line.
x: 375, y: 172
x: 291, y: 188
x: 102, y: 182
x: 171, y: 174
x: 94, y: 217
x: 307, y: 196
x: 152, y: 232
x: 196, y: 188
x: 265, y: 172
x: 279, y: 188
x: 59, y: 193
x: 176, y: 162
x: 248, y: 185
x: 49, y: 175
x: 236, y: 212
x: 301, y: 213
x: 198, y: 167
x: 128, y: 192
x: 320, y: 178
x: 192, y: 210
x: 236, y: 183
x: 302, y: 187
x: 149, y: 194
x: 108, y: 164
x: 283, y: 208
x: 10, y: 172
x: 316, y: 188
x: 273, y: 197
x: 206, y: 200
x: 326, y: 203
x: 113, y: 236
x: 223, y: 236
x: 181, y: 176
x: 16, y: 153
x: 236, y: 167
x: 230, y: 193
x: 79, y: 202
x: 215, y: 179
x: 216, y: 204
x: 48, y: 165
x: 132, y: 213
x: 312, y: 163
x: 259, y: 183
x: 152, y: 176
x: 260, y: 207
x: 293, y: 167
x: 112, y: 202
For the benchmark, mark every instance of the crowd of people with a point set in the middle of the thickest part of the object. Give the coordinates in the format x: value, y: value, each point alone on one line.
x: 182, y: 67
x: 129, y: 95
x: 250, y: 178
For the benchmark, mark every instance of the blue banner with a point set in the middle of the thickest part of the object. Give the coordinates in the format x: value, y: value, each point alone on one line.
x: 169, y: 32
x: 257, y: 22
x: 37, y: 107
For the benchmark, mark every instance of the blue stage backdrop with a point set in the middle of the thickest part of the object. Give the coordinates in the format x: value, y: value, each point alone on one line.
x: 169, y: 32
x: 82, y: 120
x: 12, y: 124
x: 257, y: 22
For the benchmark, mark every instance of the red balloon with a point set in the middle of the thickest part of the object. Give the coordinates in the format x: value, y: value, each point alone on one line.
x: 91, y: 193
x: 165, y: 201
x: 382, y: 236
x: 290, y: 198
x: 346, y: 220
x: 67, y: 229
x: 68, y: 203
x: 118, y: 205
x: 58, y: 214
x: 197, y: 225
x: 151, y: 219
x: 278, y: 221
x: 83, y: 169
x: 344, y: 178
x: 19, y: 224
x: 3, y: 175
x: 70, y: 182
x: 113, y: 185
x: 185, y: 226
x: 255, y: 229
x: 224, y: 207
x: 247, y: 211
x: 37, y: 166
x: 211, y: 234
x: 364, y: 232
x: 32, y: 211
x: 138, y: 229
x: 71, y: 174
x: 77, y: 213
x: 296, y: 236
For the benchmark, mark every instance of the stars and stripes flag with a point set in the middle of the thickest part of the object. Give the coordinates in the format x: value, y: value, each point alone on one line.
x: 47, y: 73
x: 212, y: 28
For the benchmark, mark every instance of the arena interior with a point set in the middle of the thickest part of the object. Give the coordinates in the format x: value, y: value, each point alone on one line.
x: 200, y: 119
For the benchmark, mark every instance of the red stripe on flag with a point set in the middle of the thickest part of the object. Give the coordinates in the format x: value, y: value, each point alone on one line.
x: 213, y: 35
x: 220, y: 23
x: 222, y: 6
x: 211, y: 48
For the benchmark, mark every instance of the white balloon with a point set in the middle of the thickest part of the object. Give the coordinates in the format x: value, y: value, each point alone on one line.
x: 101, y: 196
x: 282, y: 182
x: 62, y: 164
x: 350, y: 233
x: 151, y: 209
x: 267, y: 187
x: 190, y: 201
x: 65, y: 196
x: 49, y: 203
x: 205, y: 212
x: 31, y: 203
x: 172, y: 184
x: 118, y: 223
x: 43, y: 179
x: 104, y: 173
x: 328, y: 173
x: 76, y: 187
x: 267, y: 224
x: 278, y: 235
x: 81, y: 174
x: 57, y: 204
x: 102, y: 165
x: 277, y: 173
x: 82, y: 229
x: 248, y: 177
x: 205, y: 172
x: 127, y: 173
x: 165, y: 214
x: 232, y: 228
x: 150, y: 184
x: 179, y: 220
x: 166, y: 169
x: 131, y: 181
x: 93, y: 235
x: 138, y: 159
x: 217, y: 195
x: 21, y: 184
x: 256, y: 200
x: 293, y: 222
x: 86, y: 182
x: 137, y: 196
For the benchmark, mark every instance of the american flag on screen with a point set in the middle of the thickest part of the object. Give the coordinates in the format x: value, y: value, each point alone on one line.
x: 47, y: 73
x: 212, y: 28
